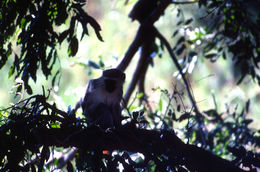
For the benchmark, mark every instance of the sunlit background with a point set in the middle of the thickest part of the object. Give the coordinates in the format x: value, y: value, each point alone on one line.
x: 208, y: 80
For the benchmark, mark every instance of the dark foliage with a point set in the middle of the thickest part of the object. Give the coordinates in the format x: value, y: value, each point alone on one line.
x: 33, y: 24
x: 232, y: 29
x: 34, y: 125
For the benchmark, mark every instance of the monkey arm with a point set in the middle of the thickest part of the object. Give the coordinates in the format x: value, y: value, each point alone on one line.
x: 117, y: 110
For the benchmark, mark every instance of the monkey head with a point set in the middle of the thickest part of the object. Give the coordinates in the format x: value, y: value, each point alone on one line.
x: 113, y: 78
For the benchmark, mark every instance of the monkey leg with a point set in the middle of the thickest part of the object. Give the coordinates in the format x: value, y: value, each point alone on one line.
x: 102, y: 116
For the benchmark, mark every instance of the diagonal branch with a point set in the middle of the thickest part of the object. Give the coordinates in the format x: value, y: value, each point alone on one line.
x: 140, y: 69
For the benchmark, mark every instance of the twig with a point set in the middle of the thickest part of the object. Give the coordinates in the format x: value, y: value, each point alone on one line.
x: 167, y: 45
x: 170, y: 97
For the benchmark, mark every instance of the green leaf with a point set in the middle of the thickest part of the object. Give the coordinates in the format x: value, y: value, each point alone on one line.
x: 160, y: 105
x: 140, y: 95
x: 11, y: 71
x: 55, y: 125
x: 23, y: 22
x: 74, y: 45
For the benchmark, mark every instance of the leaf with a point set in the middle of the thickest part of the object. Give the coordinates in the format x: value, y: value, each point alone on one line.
x: 135, y: 115
x: 192, y: 53
x: 175, y: 33
x: 54, y: 78
x: 3, y: 60
x: 73, y: 49
x: 141, y: 113
x: 96, y: 27
x: 62, y: 15
x: 100, y: 62
x: 247, y: 106
x: 247, y: 121
x: 93, y: 64
x: 23, y: 22
x: 160, y: 105
x: 184, y: 116
x: 188, y: 21
x: 179, y: 108
x: 224, y: 55
x: 211, y: 55
x: 63, y: 35
x: 174, y: 116
x: 241, y: 79
x: 209, y: 47
x: 180, y: 50
x: 180, y: 40
x: 28, y: 89
x: 179, y: 22
x: 140, y: 95
x: 11, y: 71
x: 54, y: 125
x: 178, y: 12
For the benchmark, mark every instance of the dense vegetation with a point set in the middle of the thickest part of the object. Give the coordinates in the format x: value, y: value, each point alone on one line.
x: 175, y: 138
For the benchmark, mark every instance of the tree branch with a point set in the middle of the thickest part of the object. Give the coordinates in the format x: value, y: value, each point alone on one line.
x: 138, y: 72
x: 141, y: 82
x: 142, y: 31
x: 35, y: 131
x: 129, y: 138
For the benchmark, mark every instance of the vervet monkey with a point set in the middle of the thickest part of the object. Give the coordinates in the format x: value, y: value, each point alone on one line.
x: 101, y: 104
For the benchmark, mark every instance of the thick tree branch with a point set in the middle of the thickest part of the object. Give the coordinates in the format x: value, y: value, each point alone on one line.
x: 129, y: 138
x: 36, y: 131
x: 141, y: 82
x: 140, y: 69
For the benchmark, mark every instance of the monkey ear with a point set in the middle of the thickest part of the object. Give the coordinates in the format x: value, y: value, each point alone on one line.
x: 123, y: 77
